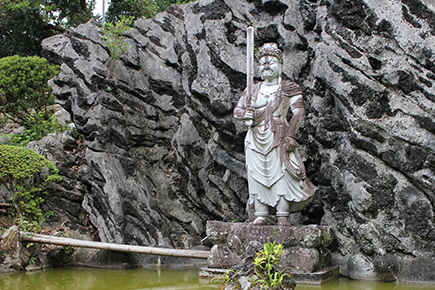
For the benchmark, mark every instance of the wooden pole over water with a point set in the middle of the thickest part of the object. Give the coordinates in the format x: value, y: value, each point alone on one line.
x: 44, y: 239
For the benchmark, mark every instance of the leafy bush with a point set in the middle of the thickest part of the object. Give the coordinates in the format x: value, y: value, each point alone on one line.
x: 25, y: 175
x: 24, y: 90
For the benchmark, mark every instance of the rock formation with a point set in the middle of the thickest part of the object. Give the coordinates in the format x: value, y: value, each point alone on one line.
x: 162, y: 154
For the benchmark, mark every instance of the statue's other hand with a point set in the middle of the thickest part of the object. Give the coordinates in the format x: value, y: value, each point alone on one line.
x: 249, y: 117
x: 289, y: 144
x: 249, y: 114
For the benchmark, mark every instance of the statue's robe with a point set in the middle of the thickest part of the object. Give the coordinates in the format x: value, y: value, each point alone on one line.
x: 272, y: 171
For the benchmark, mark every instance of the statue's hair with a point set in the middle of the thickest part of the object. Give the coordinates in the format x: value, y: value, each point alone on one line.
x: 270, y: 49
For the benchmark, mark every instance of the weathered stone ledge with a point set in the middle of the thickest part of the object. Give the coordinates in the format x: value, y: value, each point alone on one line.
x: 305, y: 247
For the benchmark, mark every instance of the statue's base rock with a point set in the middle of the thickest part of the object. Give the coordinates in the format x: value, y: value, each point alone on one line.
x: 305, y: 248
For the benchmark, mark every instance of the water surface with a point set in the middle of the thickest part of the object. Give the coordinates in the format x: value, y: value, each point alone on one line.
x: 343, y: 283
x: 99, y: 279
x: 162, y: 279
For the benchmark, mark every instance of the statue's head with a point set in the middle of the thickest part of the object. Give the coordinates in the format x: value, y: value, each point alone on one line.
x: 270, y: 60
x: 270, y: 49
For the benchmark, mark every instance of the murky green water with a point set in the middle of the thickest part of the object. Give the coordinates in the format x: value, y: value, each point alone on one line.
x: 343, y: 283
x: 164, y: 279
x: 99, y: 279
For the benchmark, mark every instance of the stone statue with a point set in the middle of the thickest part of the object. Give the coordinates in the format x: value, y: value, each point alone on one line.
x: 276, y: 173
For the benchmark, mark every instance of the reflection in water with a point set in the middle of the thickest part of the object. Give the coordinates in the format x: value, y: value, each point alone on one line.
x: 93, y: 279
x: 160, y: 278
x: 343, y: 283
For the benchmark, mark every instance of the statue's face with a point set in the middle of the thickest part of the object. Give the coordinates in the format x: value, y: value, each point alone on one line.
x: 270, y: 67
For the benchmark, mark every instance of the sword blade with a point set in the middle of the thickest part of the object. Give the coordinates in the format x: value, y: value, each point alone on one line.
x: 250, y: 64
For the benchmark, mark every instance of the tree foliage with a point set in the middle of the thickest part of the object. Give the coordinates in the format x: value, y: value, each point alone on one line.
x: 24, y: 175
x: 138, y: 8
x: 130, y: 8
x: 163, y: 4
x: 24, y: 90
x: 25, y: 23
x: 21, y: 30
x: 68, y: 13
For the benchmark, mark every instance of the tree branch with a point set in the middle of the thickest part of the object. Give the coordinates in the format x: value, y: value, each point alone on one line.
x: 47, y: 26
x: 83, y: 5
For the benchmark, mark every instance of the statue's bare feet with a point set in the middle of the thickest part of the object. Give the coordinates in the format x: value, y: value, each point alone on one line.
x: 258, y: 222
x: 282, y: 221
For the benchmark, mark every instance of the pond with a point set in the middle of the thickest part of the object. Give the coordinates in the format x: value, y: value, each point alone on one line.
x: 162, y: 279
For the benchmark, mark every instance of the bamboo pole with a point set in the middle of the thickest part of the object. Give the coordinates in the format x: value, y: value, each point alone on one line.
x: 44, y: 239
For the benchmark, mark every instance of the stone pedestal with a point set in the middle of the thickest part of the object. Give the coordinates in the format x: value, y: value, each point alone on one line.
x: 305, y: 247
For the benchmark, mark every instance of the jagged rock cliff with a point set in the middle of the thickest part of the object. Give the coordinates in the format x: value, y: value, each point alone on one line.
x: 162, y: 153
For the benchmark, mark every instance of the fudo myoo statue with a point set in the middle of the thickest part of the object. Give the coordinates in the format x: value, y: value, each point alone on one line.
x: 276, y: 174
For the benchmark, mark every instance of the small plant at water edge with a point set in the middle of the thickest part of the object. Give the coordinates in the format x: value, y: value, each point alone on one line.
x: 32, y: 261
x: 266, y: 267
x: 227, y: 278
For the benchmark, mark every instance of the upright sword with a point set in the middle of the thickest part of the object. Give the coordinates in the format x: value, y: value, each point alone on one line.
x: 250, y: 65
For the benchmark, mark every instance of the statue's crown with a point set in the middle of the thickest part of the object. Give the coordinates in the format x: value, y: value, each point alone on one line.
x: 270, y: 49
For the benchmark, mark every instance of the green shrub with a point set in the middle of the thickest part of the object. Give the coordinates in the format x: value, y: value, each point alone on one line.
x: 37, y: 129
x: 25, y: 174
x: 113, y: 36
x: 24, y: 90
